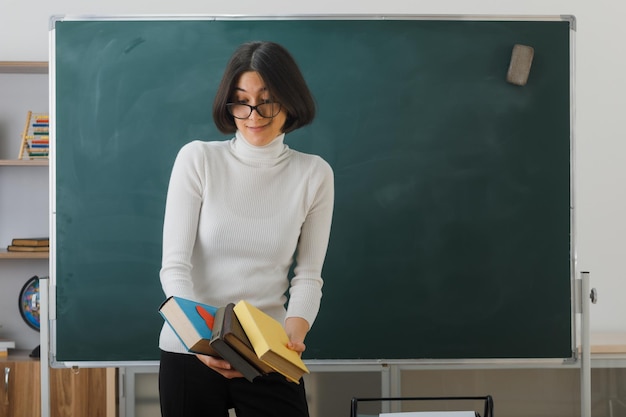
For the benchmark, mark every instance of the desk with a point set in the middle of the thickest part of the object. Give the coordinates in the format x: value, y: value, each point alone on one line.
x: 608, y: 350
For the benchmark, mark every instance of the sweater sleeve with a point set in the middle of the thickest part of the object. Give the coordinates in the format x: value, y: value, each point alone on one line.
x: 182, y: 208
x: 306, y: 286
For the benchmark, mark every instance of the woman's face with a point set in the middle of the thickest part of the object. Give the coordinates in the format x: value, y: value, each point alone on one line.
x: 258, y: 130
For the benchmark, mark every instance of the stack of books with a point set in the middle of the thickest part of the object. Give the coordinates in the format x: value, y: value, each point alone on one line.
x: 30, y: 244
x: 251, y: 341
x: 5, y: 345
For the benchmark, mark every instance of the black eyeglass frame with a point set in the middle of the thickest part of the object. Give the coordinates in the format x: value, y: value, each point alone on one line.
x: 229, y: 107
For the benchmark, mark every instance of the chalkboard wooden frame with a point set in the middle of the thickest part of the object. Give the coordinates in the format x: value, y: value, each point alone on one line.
x: 480, y: 266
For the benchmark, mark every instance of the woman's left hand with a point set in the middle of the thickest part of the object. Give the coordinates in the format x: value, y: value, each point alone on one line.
x: 296, y: 328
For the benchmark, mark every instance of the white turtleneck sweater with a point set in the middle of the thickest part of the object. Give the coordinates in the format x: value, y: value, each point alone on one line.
x: 235, y: 217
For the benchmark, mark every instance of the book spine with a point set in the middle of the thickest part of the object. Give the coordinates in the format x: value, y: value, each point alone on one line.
x: 238, y: 362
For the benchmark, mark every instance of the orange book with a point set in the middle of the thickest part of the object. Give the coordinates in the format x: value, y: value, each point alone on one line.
x: 14, y: 248
x: 31, y: 241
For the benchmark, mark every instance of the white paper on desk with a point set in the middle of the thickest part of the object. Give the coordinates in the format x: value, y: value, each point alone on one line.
x: 431, y: 414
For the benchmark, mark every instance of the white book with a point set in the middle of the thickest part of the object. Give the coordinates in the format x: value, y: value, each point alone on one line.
x: 7, y: 344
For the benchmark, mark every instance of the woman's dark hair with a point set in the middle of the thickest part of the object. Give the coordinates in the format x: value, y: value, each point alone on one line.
x: 282, y: 78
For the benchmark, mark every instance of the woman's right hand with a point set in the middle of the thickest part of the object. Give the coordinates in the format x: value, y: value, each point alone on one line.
x: 220, y: 366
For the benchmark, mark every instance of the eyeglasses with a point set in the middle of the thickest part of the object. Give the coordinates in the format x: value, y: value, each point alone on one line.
x: 243, y: 111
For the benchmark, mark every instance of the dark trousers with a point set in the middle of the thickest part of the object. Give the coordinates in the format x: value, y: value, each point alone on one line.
x: 188, y: 388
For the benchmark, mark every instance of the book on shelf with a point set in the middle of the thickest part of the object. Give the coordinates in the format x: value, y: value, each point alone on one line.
x: 5, y: 345
x: 15, y: 248
x: 31, y: 241
x: 221, y: 328
x: 269, y: 340
x: 192, y: 322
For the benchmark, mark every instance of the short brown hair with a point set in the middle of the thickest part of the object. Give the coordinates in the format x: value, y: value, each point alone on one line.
x: 282, y: 77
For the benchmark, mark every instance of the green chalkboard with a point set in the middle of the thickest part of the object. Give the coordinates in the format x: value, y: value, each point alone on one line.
x: 451, y: 236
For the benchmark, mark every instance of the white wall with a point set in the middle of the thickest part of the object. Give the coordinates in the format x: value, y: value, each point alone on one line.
x: 600, y: 203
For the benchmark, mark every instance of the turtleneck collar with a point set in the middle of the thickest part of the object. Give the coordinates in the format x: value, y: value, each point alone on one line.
x: 271, y: 151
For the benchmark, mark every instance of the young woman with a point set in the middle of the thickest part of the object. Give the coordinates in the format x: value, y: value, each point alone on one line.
x: 239, y: 213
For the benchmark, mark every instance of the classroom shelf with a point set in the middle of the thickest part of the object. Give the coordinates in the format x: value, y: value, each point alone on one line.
x: 24, y: 162
x: 5, y: 254
x: 23, y: 67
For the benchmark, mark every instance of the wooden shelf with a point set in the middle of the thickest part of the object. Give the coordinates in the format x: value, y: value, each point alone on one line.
x: 24, y: 162
x: 23, y: 67
x: 5, y: 254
